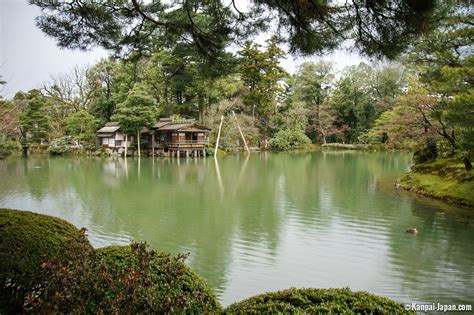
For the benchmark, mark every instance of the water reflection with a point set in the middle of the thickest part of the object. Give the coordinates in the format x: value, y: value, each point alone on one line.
x: 263, y: 222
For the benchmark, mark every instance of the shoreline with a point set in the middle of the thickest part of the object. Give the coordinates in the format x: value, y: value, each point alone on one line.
x: 442, y: 179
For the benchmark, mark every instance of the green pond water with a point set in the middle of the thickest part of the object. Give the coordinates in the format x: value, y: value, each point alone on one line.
x: 264, y: 222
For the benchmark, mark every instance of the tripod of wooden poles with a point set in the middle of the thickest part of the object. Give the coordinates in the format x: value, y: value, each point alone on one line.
x: 219, y: 134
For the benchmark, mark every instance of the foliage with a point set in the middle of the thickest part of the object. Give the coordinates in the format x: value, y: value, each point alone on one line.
x: 376, y: 28
x: 127, y: 279
x: 314, y: 301
x: 139, y: 110
x: 288, y: 139
x: 81, y: 126
x: 9, y: 119
x: 26, y: 240
x: 401, y: 127
x: 262, y: 76
x: 34, y: 121
x: 445, y: 62
x: 445, y: 179
x: 61, y: 146
x: 362, y: 94
x: 7, y: 147
x: 230, y: 136
x: 312, y: 86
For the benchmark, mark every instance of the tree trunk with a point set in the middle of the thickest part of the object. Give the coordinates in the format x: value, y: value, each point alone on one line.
x: 467, y: 163
x: 201, y: 108
x: 126, y: 145
x: 323, y: 133
x: 138, y: 143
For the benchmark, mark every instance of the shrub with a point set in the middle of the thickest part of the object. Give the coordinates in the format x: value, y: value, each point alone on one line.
x: 288, y: 139
x: 427, y: 152
x: 26, y: 240
x: 121, y: 279
x: 176, y: 288
x: 315, y: 301
x: 6, y: 148
x: 61, y: 146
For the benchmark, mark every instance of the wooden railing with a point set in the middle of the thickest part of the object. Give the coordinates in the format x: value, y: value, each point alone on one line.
x: 185, y: 142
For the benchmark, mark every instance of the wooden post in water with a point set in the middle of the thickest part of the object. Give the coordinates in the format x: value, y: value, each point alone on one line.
x: 241, y: 134
x: 153, y: 144
x: 218, y: 136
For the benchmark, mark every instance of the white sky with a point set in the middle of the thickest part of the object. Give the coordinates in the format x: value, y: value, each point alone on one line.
x: 28, y: 58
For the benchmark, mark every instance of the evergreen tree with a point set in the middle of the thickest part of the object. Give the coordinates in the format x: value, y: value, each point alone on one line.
x: 82, y: 126
x: 138, y: 111
x: 262, y: 74
x: 34, y: 121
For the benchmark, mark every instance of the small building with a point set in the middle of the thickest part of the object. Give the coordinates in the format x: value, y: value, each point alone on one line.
x: 111, y: 137
x: 179, y: 137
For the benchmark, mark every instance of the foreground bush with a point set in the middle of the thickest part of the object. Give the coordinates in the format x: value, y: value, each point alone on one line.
x: 129, y: 280
x: 314, y: 301
x: 26, y: 239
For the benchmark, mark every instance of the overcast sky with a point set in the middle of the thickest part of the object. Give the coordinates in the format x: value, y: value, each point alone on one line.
x: 28, y: 58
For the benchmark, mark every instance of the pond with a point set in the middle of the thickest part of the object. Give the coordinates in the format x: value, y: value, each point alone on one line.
x: 266, y: 221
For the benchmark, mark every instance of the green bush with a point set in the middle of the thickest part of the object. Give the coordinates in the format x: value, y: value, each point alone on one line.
x: 26, y: 240
x: 176, y: 288
x: 315, y: 301
x: 121, y: 279
x: 288, y: 139
x: 7, y: 148
x: 61, y: 146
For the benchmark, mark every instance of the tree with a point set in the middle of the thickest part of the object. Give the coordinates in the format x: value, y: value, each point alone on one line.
x: 313, y: 83
x: 446, y: 68
x: 380, y: 28
x: 9, y: 119
x: 353, y: 100
x: 138, y: 111
x: 81, y: 126
x: 364, y: 92
x: 34, y: 121
x: 262, y: 76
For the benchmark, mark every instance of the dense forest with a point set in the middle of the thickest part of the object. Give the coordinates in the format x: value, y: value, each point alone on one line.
x: 178, y: 61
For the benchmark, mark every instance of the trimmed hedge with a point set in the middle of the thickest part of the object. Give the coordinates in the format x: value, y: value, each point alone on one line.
x: 176, y: 287
x: 27, y: 239
x: 314, y: 301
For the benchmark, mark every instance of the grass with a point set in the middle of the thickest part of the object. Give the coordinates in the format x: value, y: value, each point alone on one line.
x: 445, y: 179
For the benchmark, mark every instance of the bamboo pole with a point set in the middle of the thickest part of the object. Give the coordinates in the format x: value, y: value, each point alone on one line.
x: 218, y: 136
x: 126, y: 145
x: 241, y: 134
x: 153, y: 144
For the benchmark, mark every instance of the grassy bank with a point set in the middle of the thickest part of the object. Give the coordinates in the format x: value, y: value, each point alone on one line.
x: 444, y: 179
x: 355, y: 146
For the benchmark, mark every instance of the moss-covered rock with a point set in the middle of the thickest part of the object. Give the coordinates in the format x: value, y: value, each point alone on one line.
x: 445, y: 179
x: 315, y: 301
x: 175, y: 284
x: 26, y: 239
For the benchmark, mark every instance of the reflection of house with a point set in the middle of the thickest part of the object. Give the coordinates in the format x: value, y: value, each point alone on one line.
x: 179, y: 137
x: 110, y: 136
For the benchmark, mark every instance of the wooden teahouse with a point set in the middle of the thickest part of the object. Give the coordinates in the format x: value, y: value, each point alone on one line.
x: 111, y: 137
x: 177, y: 138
